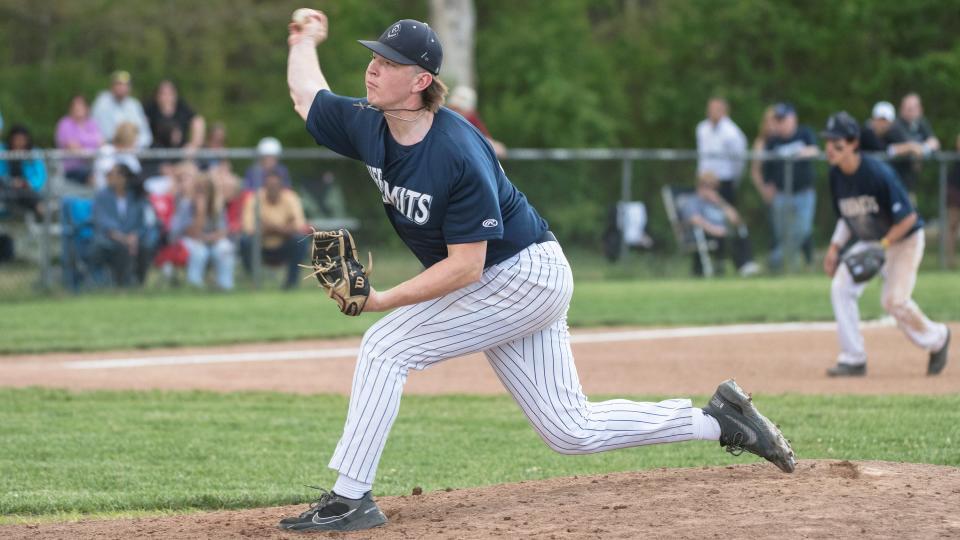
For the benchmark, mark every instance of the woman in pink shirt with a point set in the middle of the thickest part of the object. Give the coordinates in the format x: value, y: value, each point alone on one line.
x: 77, y: 131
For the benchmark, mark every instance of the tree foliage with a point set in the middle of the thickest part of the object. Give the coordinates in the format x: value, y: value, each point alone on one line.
x: 564, y: 73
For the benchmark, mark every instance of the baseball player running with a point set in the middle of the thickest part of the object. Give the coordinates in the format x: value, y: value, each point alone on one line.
x: 873, y: 208
x: 495, y: 279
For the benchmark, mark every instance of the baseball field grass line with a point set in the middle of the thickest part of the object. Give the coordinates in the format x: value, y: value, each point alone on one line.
x: 108, y: 453
x: 129, y: 321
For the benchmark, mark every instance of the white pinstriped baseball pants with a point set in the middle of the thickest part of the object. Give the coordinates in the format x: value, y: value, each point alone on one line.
x: 516, y: 314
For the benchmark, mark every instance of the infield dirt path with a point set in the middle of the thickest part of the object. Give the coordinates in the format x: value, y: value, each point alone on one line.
x: 761, y: 362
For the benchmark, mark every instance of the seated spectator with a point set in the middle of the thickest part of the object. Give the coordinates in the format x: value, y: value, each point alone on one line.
x: 203, y: 221
x: 21, y: 180
x: 124, y: 235
x: 169, y: 192
x: 234, y: 198
x: 116, y: 106
x: 122, y: 150
x: 216, y: 140
x: 77, y: 131
x: 883, y: 134
x: 282, y: 227
x: 720, y: 222
x: 463, y: 101
x: 953, y: 211
x: 172, y: 122
x: 268, y: 150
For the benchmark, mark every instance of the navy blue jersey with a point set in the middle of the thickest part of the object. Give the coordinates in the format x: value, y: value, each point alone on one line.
x: 447, y: 189
x: 871, y: 200
x: 774, y: 171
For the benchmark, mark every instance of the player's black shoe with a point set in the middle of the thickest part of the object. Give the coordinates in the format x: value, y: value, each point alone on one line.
x: 742, y: 427
x: 847, y: 370
x: 331, y: 512
x: 938, y: 359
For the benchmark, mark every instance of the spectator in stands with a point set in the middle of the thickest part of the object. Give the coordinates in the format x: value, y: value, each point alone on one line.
x: 463, y: 100
x: 330, y: 200
x: 116, y: 106
x: 216, y: 140
x: 21, y: 180
x: 915, y: 124
x: 204, y: 222
x: 708, y: 210
x: 919, y: 131
x: 124, y: 237
x: 234, y: 198
x: 883, y: 134
x: 766, y: 131
x: 791, y: 212
x: 173, y: 123
x: 953, y: 211
x: 282, y: 227
x: 268, y: 150
x: 718, y: 134
x: 78, y: 132
x: 121, y: 150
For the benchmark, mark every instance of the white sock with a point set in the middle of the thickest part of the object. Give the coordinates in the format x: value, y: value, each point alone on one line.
x: 353, y: 489
x: 705, y: 426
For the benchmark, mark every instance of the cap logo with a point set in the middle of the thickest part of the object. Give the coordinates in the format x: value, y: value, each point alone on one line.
x: 394, y: 31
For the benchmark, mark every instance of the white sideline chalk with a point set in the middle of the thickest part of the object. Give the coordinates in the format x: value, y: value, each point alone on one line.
x: 596, y: 337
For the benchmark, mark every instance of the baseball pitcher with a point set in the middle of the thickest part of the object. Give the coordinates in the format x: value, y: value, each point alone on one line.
x: 495, y: 279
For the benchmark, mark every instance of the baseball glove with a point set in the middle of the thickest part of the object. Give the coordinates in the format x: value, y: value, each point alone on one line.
x: 335, y: 264
x: 864, y: 260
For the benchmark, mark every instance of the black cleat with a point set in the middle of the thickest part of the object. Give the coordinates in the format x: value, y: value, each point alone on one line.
x: 939, y: 359
x: 847, y: 370
x: 331, y: 512
x: 742, y: 427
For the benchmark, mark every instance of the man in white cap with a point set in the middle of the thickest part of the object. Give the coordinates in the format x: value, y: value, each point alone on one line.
x: 269, y: 150
x: 881, y: 133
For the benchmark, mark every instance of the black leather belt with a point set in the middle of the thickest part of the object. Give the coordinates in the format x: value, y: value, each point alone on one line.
x: 547, y: 236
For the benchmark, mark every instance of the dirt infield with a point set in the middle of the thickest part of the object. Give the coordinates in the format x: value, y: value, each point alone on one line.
x: 761, y: 363
x: 823, y: 499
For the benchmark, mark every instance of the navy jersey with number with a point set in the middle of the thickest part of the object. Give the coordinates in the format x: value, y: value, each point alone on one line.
x: 448, y: 188
x: 871, y: 200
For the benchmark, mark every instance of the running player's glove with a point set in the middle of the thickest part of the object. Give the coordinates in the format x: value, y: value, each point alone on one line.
x: 335, y: 264
x: 864, y: 260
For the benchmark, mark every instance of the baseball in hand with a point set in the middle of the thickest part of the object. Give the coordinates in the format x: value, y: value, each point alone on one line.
x: 302, y: 16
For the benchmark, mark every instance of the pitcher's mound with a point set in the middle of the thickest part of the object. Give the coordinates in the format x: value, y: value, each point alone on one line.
x: 837, y: 499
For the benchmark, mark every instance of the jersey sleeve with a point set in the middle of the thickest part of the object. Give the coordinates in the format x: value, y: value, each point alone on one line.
x: 473, y: 209
x: 332, y: 122
x: 897, y: 199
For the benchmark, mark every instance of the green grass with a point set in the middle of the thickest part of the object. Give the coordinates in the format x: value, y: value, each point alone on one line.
x: 125, y: 453
x: 180, y: 318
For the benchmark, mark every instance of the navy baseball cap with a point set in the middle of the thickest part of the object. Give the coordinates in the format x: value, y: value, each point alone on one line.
x: 841, y: 126
x: 409, y: 42
x: 783, y: 109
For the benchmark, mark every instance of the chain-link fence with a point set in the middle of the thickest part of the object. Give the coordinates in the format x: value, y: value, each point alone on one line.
x: 46, y: 234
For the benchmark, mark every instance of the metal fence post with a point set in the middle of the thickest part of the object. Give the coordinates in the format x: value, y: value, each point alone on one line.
x: 789, y: 242
x: 944, y: 219
x: 256, y: 255
x: 626, y: 181
x: 45, y: 234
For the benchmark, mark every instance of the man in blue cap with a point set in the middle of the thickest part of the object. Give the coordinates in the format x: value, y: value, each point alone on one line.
x: 495, y: 280
x: 872, y: 206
